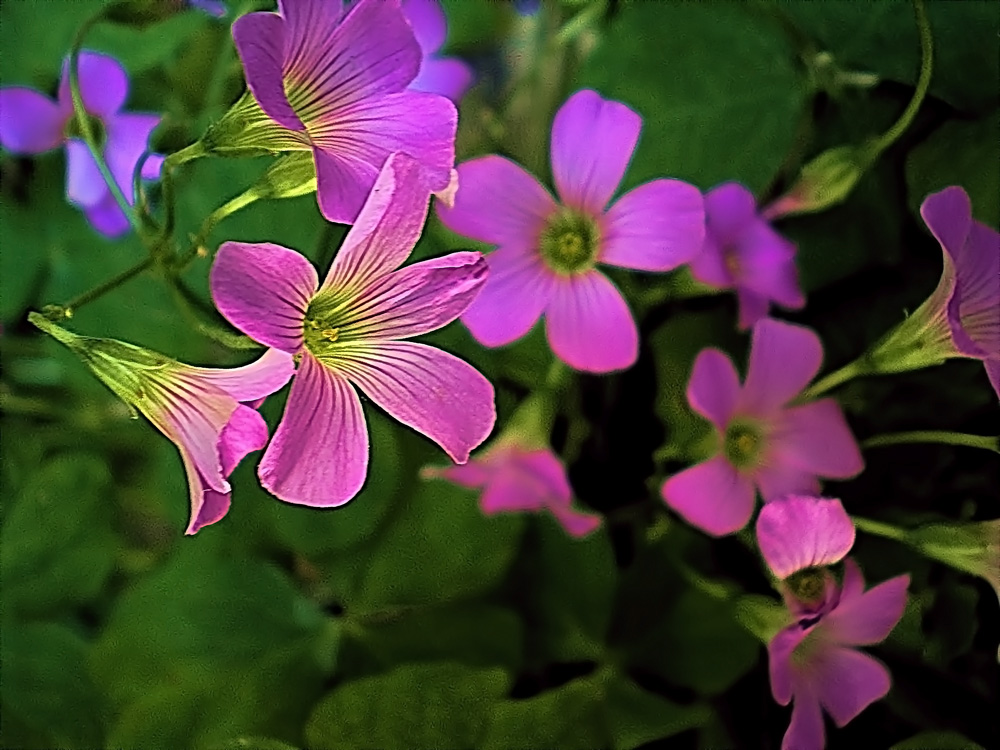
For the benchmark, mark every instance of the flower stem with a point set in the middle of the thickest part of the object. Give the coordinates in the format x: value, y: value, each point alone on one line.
x: 66, y: 310
x: 189, y: 153
x: 838, y: 377
x: 986, y: 442
x: 211, y: 221
x: 878, y: 528
x: 581, y: 22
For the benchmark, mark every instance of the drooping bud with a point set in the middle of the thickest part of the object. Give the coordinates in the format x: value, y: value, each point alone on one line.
x: 824, y: 182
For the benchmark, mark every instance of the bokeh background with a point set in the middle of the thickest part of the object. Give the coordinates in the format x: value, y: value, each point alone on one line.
x: 407, y: 619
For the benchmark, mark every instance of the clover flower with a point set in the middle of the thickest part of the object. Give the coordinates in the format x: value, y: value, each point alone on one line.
x: 549, y: 250
x: 334, y: 81
x: 743, y: 252
x: 32, y: 123
x: 766, y: 443
x: 348, y: 333
x: 447, y: 76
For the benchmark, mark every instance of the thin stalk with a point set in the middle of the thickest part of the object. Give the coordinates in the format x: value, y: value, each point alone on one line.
x: 67, y: 309
x: 878, y: 528
x: 986, y: 442
x: 838, y: 377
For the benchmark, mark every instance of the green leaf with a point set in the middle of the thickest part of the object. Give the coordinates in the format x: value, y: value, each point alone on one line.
x: 252, y: 743
x: 413, y: 707
x: 762, y: 616
x: 636, y: 716
x: 944, y: 740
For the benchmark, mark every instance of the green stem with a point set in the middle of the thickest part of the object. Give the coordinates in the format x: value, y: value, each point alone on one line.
x: 986, y: 442
x: 838, y: 377
x: 66, y: 310
x: 580, y: 22
x: 211, y: 221
x: 877, y: 528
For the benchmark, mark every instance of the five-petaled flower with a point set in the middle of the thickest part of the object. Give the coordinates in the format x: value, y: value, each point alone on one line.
x: 548, y: 249
x: 347, y: 332
x: 334, y: 81
x: 447, y: 76
x: 31, y: 123
x: 743, y: 252
x: 765, y: 442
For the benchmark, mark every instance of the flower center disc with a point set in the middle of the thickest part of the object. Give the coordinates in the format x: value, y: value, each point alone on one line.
x: 322, y: 329
x: 569, y: 242
x: 72, y: 129
x: 742, y: 445
x: 807, y: 585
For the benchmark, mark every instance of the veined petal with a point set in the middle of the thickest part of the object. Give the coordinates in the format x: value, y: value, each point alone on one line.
x: 588, y: 324
x: 948, y: 214
x: 260, y: 43
x: 319, y: 453
x: 30, y: 122
x: 428, y: 22
x: 447, y: 76
x: 847, y: 681
x: 815, y: 437
x: 711, y: 495
x: 783, y: 359
x: 103, y: 85
x: 498, y: 202
x: 655, y: 227
x: 868, y: 618
x: 264, y: 290
x: 244, y: 433
x: 128, y: 138
x: 974, y: 308
x: 592, y: 143
x: 799, y: 532
x: 434, y: 392
x: 84, y: 184
x: 714, y: 387
x: 253, y: 381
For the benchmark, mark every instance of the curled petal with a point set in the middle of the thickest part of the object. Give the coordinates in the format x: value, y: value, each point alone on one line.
x: 244, y: 433
x: 575, y: 522
x: 712, y: 496
x: 815, y: 437
x: 714, y: 387
x: 254, y: 381
x: 799, y: 532
x: 783, y: 359
x: 868, y: 618
x: 106, y: 217
x: 30, y: 122
x: 948, y: 214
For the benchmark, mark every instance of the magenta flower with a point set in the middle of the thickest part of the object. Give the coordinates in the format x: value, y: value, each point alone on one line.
x: 336, y: 81
x: 517, y: 479
x: 744, y: 253
x: 549, y: 250
x: 447, y: 76
x: 31, y: 123
x: 348, y: 333
x: 814, y: 660
x: 765, y: 442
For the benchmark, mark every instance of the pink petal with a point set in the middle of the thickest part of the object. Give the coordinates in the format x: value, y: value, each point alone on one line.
x: 588, y: 324
x: 517, y: 289
x: 254, y: 381
x: 815, y: 437
x: 260, y: 43
x: 103, y: 85
x: 84, y: 184
x: 498, y: 202
x: 846, y: 681
x: 512, y: 490
x: 244, y: 433
x: 128, y: 138
x: 799, y: 532
x: 576, y: 523
x: 711, y: 495
x: 264, y: 290
x: 948, y: 214
x: 714, y: 387
x: 474, y: 474
x: 526, y: 481
x: 779, y: 661
x: 729, y: 209
x: 783, y: 359
x: 434, y: 392
x: 775, y: 478
x: 753, y: 307
x: 767, y: 265
x: 447, y: 76
x: 152, y: 167
x: 343, y: 183
x: 319, y: 453
x: 592, y: 143
x: 655, y: 227
x: 212, y: 508
x: 30, y: 122
x: 709, y: 265
x: 806, y: 730
x: 428, y: 22
x: 974, y: 308
x: 870, y: 617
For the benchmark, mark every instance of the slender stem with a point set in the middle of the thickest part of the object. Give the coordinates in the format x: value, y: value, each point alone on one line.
x: 838, y: 377
x: 68, y: 308
x: 878, y: 528
x: 580, y: 22
x: 211, y: 221
x: 189, y: 153
x: 986, y: 442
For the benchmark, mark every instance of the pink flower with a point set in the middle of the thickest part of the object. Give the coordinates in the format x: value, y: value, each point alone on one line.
x: 744, y: 253
x: 336, y: 81
x: 348, y: 333
x: 800, y: 532
x: 765, y: 442
x: 515, y: 478
x: 548, y: 250
x: 31, y: 123
x: 447, y: 76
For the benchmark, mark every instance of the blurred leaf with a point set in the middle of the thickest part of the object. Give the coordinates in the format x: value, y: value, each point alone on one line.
x: 762, y: 616
x: 950, y: 623
x: 938, y: 741
x: 139, y: 49
x: 414, y: 707
x: 636, y: 716
x: 252, y: 743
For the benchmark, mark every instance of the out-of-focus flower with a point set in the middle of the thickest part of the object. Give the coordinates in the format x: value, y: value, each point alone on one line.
x: 215, y: 8
x: 201, y: 410
x: 744, y: 253
x: 447, y: 76
x: 334, y: 81
x: 348, y: 333
x: 549, y: 250
x: 31, y: 123
x: 765, y: 442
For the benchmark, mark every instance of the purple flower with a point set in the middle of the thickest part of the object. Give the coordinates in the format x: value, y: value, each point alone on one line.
x: 765, y: 442
x: 215, y: 8
x: 336, y: 82
x: 447, y: 76
x: 517, y: 478
x: 348, y: 333
x: 31, y: 123
x: 744, y: 253
x: 548, y: 250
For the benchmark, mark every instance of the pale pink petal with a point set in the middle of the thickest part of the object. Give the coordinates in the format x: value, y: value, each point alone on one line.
x: 498, y: 202
x: 714, y: 387
x: 84, y: 184
x: 729, y: 209
x: 655, y: 227
x: 776, y: 478
x: 870, y: 617
x: 447, y: 76
x: 428, y: 22
x: 576, y: 523
x: 592, y: 143
x: 799, y: 532
x: 806, y: 730
x: 783, y: 359
x: 712, y: 496
x: 474, y: 474
x: 244, y: 433
x: 434, y: 392
x: 815, y: 437
x: 103, y: 85
x: 846, y: 681
x: 511, y: 491
x: 588, y: 324
x: 260, y: 43
x: 253, y: 381
x: 264, y: 290
x: 779, y: 661
x: 319, y: 453
x: 30, y: 122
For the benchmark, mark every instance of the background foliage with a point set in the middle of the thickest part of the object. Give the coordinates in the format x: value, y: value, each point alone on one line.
x: 407, y: 619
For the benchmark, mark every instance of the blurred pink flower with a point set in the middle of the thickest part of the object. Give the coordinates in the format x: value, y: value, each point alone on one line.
x: 348, y: 333
x: 549, y: 250
x: 765, y: 442
x: 447, y: 76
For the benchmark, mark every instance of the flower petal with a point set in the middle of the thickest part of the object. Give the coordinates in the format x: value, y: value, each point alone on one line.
x: 592, y: 143
x: 428, y: 22
x: 576, y: 523
x: 709, y: 265
x: 474, y: 474
x: 498, y: 202
x: 244, y: 433
x: 711, y: 495
x: 847, y: 681
x: 84, y: 184
x: 753, y: 308
x: 253, y: 381
x: 319, y: 453
x: 815, y: 437
x: 517, y: 289
x: 779, y: 661
x: 948, y: 214
x: 974, y: 308
x: 526, y: 481
x: 799, y: 532
x: 729, y: 209
x: 776, y: 478
x: 870, y: 617
x: 806, y: 730
x: 766, y: 263
x: 588, y: 324
x: 128, y: 138
x: 714, y: 387
x: 103, y: 85
x: 264, y: 290
x: 783, y: 359
x: 655, y: 227
x: 342, y: 185
x: 30, y: 122
x: 260, y: 43
x: 212, y: 508
x: 434, y: 392
x: 447, y: 76
x: 106, y: 217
